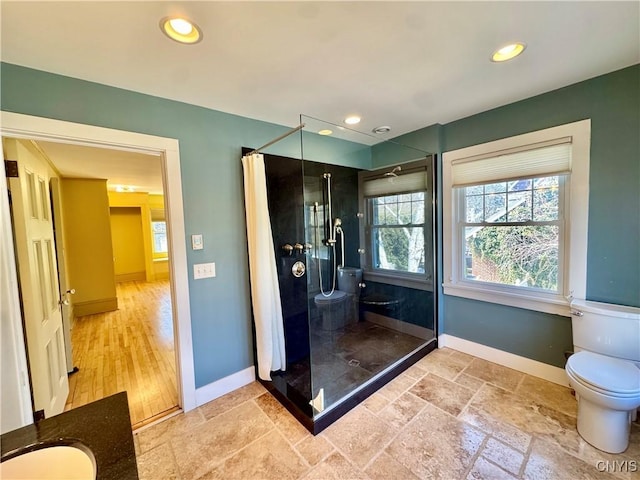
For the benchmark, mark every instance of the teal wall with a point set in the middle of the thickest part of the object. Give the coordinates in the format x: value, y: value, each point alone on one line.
x: 612, y: 102
x: 210, y: 151
x: 210, y: 143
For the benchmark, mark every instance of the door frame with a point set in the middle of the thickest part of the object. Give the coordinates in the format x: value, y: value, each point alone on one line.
x: 17, y: 125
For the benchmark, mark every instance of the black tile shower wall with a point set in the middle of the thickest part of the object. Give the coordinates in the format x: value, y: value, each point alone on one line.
x: 344, y: 196
x: 413, y: 306
x: 285, y: 197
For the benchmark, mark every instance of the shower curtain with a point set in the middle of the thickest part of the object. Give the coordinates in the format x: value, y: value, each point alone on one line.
x: 265, y: 292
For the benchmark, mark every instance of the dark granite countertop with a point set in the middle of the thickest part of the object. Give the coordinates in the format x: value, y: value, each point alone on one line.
x: 103, y: 426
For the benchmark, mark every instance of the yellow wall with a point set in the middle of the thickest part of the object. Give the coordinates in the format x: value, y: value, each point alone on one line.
x: 156, y: 266
x: 88, y: 237
x: 128, y: 244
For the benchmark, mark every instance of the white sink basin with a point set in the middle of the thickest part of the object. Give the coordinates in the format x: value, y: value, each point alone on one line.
x: 50, y: 463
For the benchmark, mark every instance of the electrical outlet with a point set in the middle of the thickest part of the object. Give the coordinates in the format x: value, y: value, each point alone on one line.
x: 204, y: 270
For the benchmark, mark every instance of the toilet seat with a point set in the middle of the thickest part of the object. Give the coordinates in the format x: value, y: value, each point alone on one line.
x: 606, y: 375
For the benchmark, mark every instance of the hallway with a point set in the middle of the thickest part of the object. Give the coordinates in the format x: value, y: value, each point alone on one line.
x: 129, y: 349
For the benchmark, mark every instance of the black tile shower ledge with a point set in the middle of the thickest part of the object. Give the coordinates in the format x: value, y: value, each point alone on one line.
x: 103, y: 426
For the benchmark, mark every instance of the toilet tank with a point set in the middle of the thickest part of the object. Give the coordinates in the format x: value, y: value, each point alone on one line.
x: 608, y: 329
x: 349, y: 279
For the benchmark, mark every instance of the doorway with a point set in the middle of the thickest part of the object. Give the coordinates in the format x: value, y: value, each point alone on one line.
x: 22, y: 126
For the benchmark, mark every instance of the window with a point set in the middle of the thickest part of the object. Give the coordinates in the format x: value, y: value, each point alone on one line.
x: 159, y: 232
x: 515, y: 219
x: 159, y: 237
x: 397, y: 232
x: 398, y: 207
x: 512, y: 232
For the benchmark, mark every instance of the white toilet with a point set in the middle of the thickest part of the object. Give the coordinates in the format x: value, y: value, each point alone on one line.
x: 605, y: 372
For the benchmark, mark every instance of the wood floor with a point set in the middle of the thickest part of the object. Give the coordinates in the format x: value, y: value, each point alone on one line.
x: 130, y: 349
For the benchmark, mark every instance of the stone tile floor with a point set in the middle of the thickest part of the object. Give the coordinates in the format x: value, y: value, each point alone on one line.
x: 450, y: 416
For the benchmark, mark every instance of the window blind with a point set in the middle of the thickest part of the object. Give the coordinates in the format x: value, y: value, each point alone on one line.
x: 551, y: 158
x: 409, y: 182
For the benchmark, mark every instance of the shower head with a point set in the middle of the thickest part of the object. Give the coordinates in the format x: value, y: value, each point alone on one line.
x: 393, y: 173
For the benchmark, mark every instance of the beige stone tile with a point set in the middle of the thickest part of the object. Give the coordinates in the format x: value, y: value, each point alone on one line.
x: 547, y: 461
x: 232, y: 400
x: 484, y: 470
x: 157, y: 463
x: 492, y: 372
x: 291, y: 428
x: 386, y: 468
x: 442, y: 352
x: 376, y: 402
x: 436, y: 445
x: 505, y: 432
x: 313, y: 449
x: 634, y: 441
x: 443, y: 363
x: 159, y: 433
x: 402, y: 410
x: 446, y: 395
x: 397, y: 387
x: 548, y: 394
x: 270, y: 457
x: 592, y: 455
x: 200, y: 449
x: 461, y: 357
x: 506, y: 457
x: 360, y: 435
x: 136, y: 445
x: 546, y: 424
x: 528, y: 416
x: 415, y: 371
x: 336, y: 467
x: 472, y: 383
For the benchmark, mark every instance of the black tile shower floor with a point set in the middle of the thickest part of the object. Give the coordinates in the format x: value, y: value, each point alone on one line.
x: 343, y: 359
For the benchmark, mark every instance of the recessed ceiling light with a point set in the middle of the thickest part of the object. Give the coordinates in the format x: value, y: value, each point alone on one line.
x: 382, y: 129
x: 352, y: 120
x: 181, y: 30
x: 325, y: 132
x: 508, y: 52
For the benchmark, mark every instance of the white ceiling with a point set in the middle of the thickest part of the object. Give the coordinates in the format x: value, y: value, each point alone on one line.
x: 141, y: 172
x: 403, y: 64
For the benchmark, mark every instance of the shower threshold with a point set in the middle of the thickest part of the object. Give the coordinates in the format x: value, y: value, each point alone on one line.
x: 299, y: 407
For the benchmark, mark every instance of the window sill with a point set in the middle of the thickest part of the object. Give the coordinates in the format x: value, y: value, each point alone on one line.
x: 399, y: 280
x: 539, y: 302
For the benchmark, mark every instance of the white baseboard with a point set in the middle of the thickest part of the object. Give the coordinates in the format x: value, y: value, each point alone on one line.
x: 225, y: 385
x: 522, y: 364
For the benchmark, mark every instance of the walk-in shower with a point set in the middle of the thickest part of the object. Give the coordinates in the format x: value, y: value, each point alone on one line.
x: 353, y: 250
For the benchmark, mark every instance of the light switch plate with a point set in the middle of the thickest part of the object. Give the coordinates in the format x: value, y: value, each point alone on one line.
x: 196, y: 242
x: 204, y: 270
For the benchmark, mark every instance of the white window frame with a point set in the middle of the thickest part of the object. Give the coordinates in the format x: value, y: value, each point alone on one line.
x: 419, y: 281
x: 576, y: 211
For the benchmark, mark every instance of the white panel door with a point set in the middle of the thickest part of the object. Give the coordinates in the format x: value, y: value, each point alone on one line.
x: 35, y: 249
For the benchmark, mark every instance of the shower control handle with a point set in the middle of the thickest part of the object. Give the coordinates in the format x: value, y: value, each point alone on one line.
x: 362, y: 284
x: 299, y: 247
x: 298, y: 269
x: 287, y: 248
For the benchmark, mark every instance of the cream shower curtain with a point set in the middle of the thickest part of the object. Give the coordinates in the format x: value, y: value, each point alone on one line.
x: 265, y: 292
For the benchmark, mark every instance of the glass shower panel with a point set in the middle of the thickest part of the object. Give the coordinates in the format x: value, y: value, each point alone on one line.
x: 363, y: 319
